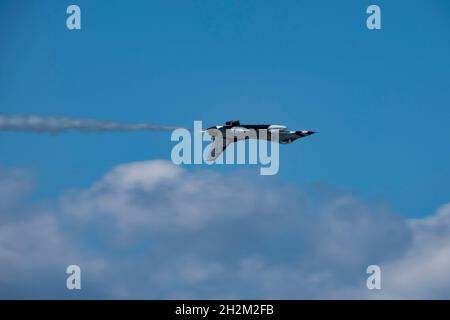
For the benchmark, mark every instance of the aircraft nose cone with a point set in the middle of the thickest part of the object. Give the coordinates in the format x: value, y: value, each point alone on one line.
x: 307, y: 132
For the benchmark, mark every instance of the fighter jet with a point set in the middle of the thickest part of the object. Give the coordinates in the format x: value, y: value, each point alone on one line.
x: 233, y: 131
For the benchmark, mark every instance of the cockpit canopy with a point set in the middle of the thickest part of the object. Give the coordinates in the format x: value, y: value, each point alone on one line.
x: 277, y: 127
x: 233, y: 123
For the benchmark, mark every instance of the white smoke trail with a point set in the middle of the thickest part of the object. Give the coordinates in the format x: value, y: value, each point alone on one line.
x: 54, y: 124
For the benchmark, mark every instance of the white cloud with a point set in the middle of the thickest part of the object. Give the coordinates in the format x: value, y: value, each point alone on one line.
x: 424, y: 271
x: 153, y: 230
x: 159, y: 195
x: 15, y: 185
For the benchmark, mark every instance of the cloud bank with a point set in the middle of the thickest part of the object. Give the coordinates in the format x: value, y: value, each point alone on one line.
x: 154, y: 230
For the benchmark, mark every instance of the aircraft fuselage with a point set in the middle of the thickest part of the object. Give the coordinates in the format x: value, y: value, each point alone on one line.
x: 233, y: 130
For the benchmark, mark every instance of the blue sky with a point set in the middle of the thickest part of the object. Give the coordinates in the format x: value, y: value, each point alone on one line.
x: 379, y: 99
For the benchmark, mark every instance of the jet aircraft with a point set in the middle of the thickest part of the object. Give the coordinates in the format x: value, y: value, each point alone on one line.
x: 233, y: 131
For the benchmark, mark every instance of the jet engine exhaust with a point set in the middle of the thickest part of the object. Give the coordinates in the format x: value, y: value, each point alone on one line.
x: 57, y: 124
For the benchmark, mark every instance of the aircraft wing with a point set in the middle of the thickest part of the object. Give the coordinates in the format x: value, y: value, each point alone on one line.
x: 217, y: 148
